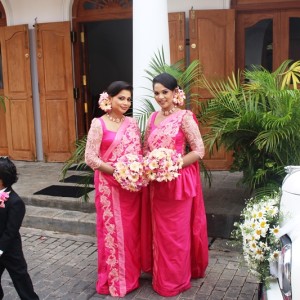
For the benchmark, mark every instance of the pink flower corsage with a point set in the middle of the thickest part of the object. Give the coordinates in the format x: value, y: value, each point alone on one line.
x: 104, y: 102
x: 129, y: 172
x: 179, y: 97
x: 163, y: 164
x: 3, y: 197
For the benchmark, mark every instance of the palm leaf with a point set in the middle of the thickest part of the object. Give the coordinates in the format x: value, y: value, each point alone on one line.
x: 143, y: 113
x: 77, y: 159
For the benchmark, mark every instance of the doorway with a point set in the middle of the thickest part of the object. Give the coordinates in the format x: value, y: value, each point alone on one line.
x: 109, y: 58
x: 102, y: 53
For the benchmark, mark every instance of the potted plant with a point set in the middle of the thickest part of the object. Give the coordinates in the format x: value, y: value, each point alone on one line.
x: 256, y: 115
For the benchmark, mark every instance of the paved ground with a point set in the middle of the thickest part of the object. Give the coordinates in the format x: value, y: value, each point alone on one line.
x: 63, y: 267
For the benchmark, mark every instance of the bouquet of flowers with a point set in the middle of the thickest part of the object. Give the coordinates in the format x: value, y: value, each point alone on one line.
x: 257, y: 233
x: 3, y: 197
x: 163, y: 164
x: 129, y: 172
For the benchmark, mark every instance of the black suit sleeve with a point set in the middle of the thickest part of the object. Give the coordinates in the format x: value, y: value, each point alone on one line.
x: 16, y: 212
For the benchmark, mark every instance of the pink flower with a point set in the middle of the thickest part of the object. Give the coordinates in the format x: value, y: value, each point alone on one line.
x: 3, y: 197
x: 129, y: 172
x: 179, y: 97
x: 162, y: 164
x: 104, y: 102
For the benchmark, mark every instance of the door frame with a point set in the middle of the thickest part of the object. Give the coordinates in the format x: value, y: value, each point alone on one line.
x: 102, y: 12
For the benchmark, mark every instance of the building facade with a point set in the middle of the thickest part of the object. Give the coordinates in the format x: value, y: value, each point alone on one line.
x: 58, y: 56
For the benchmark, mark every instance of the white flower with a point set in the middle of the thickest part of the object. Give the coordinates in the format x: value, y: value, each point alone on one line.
x: 258, y: 234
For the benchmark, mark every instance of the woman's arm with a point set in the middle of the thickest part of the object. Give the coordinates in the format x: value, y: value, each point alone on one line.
x: 194, y: 139
x: 92, y: 148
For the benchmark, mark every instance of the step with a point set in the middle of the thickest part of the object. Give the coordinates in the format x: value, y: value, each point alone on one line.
x: 73, y: 215
x: 55, y: 219
x: 65, y: 203
x: 224, y: 200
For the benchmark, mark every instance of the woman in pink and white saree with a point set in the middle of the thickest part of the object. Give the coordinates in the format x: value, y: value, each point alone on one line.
x: 177, y: 249
x: 118, y: 210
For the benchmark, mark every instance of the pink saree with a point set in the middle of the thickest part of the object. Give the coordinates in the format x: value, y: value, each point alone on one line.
x: 118, y: 210
x: 174, y: 237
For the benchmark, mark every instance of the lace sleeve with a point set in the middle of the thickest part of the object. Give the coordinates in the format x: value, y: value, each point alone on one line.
x: 192, y: 134
x: 138, y: 140
x: 93, y: 143
x: 146, y: 149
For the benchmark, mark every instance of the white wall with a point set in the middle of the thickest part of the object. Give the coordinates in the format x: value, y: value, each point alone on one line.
x: 26, y: 11
x: 186, y: 5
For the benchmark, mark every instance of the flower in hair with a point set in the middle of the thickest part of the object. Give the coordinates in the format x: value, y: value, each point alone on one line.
x: 3, y: 197
x: 104, y: 102
x: 179, y: 97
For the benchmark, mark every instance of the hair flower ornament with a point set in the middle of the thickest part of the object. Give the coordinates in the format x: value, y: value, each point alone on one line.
x: 104, y: 102
x: 179, y: 97
x: 3, y: 197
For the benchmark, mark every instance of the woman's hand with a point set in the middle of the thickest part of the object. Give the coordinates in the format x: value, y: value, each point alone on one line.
x: 106, y: 168
x: 190, y: 158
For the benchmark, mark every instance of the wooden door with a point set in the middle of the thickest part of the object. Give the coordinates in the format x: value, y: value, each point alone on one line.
x: 212, y: 42
x: 18, y: 94
x: 252, y: 30
x: 54, y: 59
x: 282, y: 34
x: 290, y: 36
x: 177, y: 36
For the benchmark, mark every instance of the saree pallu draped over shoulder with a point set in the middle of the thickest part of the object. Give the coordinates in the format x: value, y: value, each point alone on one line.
x: 118, y: 216
x: 174, y: 240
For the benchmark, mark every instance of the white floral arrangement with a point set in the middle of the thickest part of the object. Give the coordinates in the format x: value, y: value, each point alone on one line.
x: 129, y: 172
x: 163, y: 164
x: 257, y: 233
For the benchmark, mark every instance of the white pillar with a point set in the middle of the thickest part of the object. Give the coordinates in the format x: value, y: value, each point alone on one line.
x: 150, y: 34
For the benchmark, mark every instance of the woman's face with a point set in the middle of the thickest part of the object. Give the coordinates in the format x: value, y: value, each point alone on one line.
x: 121, y: 102
x: 163, y: 96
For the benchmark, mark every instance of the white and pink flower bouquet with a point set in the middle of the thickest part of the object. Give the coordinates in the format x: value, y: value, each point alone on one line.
x: 129, y: 172
x: 257, y: 233
x: 3, y: 197
x: 163, y: 164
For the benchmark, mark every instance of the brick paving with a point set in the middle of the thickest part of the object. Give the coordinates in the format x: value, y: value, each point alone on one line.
x: 63, y: 266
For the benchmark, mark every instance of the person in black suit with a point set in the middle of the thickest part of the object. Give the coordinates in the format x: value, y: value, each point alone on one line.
x: 12, y: 211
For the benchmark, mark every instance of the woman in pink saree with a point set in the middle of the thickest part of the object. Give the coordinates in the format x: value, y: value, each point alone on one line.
x: 118, y: 210
x: 176, y: 249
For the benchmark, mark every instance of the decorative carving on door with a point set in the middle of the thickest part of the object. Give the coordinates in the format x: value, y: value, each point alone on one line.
x: 100, y: 4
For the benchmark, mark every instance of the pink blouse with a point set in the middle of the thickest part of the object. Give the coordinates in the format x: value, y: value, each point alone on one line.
x: 98, y: 138
x: 188, y: 132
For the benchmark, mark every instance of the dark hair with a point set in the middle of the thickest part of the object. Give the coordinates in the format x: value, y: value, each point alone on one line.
x: 166, y: 80
x: 8, y: 172
x: 117, y: 86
